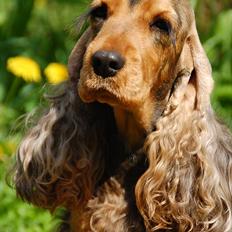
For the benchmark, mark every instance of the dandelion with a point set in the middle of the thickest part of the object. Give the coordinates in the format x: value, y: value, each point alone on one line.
x: 56, y: 73
x: 25, y: 68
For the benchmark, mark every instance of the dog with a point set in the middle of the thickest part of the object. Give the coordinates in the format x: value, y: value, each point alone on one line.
x: 131, y: 142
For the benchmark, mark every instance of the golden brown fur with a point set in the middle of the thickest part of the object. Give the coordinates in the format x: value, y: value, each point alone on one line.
x: 156, y: 107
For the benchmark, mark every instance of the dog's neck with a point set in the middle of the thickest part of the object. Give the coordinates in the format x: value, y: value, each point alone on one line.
x: 134, y: 125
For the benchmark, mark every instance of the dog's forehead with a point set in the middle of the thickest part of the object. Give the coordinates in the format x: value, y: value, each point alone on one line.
x: 143, y: 5
x: 178, y: 12
x: 135, y: 2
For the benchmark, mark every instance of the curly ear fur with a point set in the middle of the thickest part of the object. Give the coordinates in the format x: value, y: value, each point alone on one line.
x: 188, y: 183
x: 55, y: 168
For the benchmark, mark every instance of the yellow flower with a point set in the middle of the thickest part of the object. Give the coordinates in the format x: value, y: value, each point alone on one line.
x: 25, y: 68
x: 56, y: 73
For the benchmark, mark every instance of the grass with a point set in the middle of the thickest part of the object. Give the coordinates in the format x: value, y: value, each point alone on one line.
x: 15, y: 215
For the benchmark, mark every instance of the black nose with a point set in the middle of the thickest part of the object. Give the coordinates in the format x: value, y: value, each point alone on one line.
x: 107, y: 63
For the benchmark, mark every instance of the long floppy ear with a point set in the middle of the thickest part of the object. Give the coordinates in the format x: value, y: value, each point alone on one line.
x: 193, y: 69
x: 184, y: 72
x: 61, y: 158
x: 187, y: 184
x: 77, y: 54
x: 202, y: 67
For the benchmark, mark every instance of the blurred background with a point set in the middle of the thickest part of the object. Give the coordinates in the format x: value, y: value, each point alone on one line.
x: 36, y: 37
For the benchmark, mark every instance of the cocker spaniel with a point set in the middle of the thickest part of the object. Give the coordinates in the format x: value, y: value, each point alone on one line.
x: 130, y: 142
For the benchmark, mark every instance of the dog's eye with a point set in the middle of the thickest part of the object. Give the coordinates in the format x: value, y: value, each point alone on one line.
x: 99, y: 13
x: 162, y: 25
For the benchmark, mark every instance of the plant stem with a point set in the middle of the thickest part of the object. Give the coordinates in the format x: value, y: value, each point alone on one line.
x: 13, y: 90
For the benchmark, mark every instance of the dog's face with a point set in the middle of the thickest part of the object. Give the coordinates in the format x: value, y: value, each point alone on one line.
x: 134, y: 51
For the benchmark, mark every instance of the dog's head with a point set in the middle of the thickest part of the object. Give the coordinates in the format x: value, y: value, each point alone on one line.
x: 134, y: 51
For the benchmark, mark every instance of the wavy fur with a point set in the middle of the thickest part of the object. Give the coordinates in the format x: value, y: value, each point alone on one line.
x: 187, y: 184
x: 61, y: 159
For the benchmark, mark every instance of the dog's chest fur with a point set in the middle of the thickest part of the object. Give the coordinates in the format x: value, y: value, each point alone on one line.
x: 113, y: 208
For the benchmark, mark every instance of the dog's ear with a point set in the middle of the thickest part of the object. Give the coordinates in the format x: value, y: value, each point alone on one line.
x: 60, y: 160
x: 187, y: 184
x: 193, y: 74
x: 76, y: 57
x: 202, y: 69
x: 183, y: 74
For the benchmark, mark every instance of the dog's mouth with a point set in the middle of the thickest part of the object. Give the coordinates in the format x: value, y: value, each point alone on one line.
x: 115, y: 91
x: 95, y: 88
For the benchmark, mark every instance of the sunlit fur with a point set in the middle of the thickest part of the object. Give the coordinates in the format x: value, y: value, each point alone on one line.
x: 78, y: 154
x: 188, y: 181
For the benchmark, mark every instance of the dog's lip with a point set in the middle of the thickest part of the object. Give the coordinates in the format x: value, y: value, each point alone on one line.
x: 101, y: 94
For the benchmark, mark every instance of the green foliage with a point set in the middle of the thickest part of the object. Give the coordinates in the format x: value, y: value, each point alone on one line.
x: 219, y: 49
x: 16, y: 215
x: 44, y: 31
